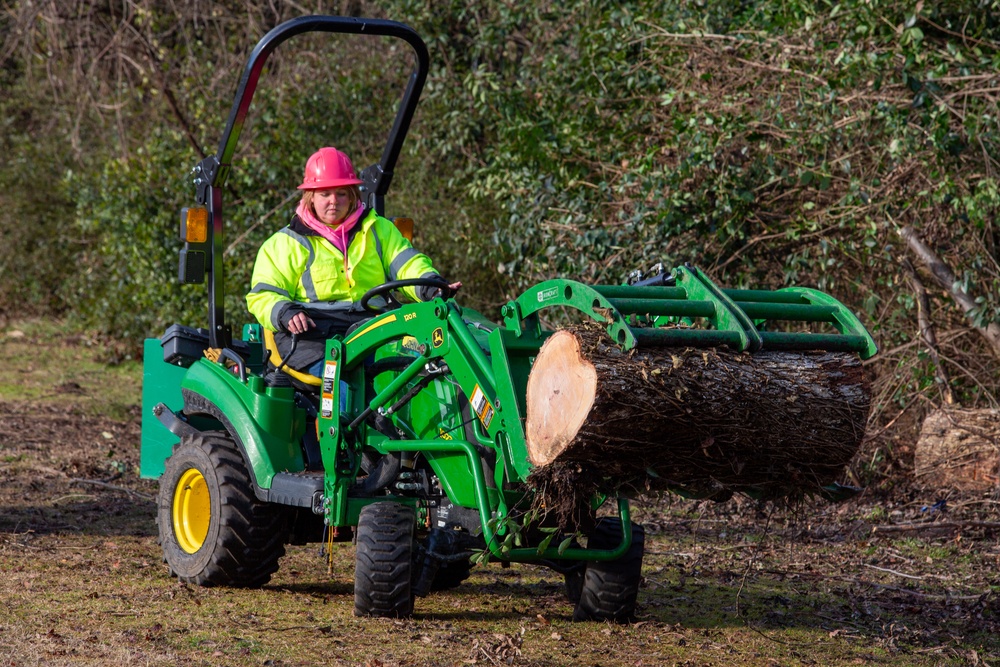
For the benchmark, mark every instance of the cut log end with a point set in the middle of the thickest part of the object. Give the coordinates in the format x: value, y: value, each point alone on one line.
x: 561, y: 397
x: 960, y: 450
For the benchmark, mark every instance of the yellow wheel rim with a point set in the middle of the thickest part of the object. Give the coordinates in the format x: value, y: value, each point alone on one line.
x: 192, y: 510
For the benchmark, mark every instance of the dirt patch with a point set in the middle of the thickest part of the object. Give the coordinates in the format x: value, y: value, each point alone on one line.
x: 62, y: 470
x: 899, y: 577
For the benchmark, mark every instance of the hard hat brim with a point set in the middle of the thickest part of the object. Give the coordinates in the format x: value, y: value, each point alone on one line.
x: 332, y: 183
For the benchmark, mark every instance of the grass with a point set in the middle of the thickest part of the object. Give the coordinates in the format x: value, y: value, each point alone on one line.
x: 83, y: 580
x: 54, y: 365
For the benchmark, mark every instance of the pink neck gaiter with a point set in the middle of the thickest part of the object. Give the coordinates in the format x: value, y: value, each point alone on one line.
x: 335, y: 235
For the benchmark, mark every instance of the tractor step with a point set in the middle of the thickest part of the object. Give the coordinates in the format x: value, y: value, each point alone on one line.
x: 299, y: 489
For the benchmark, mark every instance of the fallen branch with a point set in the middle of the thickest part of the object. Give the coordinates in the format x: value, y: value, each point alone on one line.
x: 946, y: 278
x: 947, y: 596
x: 105, y: 485
x: 926, y: 596
x: 895, y: 572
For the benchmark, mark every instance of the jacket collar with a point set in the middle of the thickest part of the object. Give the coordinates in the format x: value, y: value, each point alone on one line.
x: 299, y: 227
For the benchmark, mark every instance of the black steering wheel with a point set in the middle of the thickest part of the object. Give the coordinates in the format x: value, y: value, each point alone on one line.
x: 385, y: 288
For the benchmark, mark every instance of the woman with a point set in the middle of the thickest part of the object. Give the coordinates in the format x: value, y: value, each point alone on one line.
x: 309, y: 276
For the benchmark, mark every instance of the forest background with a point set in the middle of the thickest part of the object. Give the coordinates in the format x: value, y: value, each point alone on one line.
x: 769, y: 142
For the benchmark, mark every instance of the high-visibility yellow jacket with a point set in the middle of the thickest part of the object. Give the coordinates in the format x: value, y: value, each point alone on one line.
x: 297, y: 268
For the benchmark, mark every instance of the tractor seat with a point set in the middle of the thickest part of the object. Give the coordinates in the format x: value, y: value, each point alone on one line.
x: 300, y: 379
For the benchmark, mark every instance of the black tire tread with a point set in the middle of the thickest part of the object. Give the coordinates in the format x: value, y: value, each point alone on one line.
x: 383, y: 571
x: 610, y: 588
x: 251, y: 535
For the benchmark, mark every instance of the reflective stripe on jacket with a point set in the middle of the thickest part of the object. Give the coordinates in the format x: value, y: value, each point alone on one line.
x: 297, y: 267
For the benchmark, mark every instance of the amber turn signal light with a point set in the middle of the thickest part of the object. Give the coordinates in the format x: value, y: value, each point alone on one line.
x: 194, y: 224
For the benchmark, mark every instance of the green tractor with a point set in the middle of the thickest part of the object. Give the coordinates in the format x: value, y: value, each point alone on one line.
x: 422, y: 461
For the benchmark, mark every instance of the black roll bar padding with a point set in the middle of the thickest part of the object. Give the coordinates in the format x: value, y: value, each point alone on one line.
x: 211, y: 173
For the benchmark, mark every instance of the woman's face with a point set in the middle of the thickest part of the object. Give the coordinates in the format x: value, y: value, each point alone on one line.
x: 332, y: 205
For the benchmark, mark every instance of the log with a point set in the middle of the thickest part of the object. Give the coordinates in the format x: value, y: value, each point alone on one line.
x: 708, y: 421
x: 959, y: 449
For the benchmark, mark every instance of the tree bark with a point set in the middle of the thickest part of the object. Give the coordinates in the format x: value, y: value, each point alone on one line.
x: 705, y: 420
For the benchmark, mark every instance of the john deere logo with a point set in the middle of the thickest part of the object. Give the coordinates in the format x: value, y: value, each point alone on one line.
x: 437, y: 337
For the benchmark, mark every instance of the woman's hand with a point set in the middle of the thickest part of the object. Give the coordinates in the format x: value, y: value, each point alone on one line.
x: 439, y: 292
x: 300, y: 323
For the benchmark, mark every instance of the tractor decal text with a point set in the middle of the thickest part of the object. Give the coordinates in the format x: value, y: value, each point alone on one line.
x: 481, y: 406
x: 329, y: 375
x: 547, y: 294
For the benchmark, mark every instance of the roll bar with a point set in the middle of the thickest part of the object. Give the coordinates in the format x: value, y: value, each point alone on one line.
x: 211, y: 173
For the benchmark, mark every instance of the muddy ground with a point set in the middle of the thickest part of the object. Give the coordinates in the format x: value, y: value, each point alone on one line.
x: 904, y: 577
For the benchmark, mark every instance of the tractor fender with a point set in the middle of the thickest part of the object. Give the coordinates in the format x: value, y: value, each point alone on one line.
x: 264, y: 421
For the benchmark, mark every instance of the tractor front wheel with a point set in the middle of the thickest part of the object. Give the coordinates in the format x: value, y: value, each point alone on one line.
x: 213, y: 530
x: 609, y: 588
x: 383, y: 569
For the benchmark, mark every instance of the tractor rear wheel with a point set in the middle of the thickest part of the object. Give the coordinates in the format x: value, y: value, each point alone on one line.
x: 213, y: 530
x: 609, y: 588
x: 383, y: 569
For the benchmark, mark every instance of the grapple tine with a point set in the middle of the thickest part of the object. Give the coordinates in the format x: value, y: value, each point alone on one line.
x: 521, y: 315
x: 694, y: 296
x: 672, y: 316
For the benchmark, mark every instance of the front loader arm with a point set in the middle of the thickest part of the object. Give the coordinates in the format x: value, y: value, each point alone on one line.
x: 442, y: 336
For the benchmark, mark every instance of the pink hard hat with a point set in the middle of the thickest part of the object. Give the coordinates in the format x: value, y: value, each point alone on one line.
x: 328, y: 168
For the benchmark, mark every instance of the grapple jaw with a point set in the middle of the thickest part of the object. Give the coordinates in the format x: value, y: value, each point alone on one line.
x: 695, y: 312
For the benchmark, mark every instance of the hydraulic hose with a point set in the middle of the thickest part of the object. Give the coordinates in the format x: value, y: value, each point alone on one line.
x: 384, y: 473
x: 291, y: 351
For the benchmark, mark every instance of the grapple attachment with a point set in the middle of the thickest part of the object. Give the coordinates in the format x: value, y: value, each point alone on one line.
x: 695, y: 312
x: 777, y: 407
